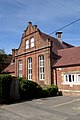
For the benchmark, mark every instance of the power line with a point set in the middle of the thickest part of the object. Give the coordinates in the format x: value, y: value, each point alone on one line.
x: 65, y: 26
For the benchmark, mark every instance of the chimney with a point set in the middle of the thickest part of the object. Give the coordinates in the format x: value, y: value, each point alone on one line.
x: 29, y: 23
x: 35, y: 26
x: 58, y: 36
x: 13, y: 54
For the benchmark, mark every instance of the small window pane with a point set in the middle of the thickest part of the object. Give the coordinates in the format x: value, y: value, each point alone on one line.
x: 32, y: 42
x: 20, y: 68
x: 27, y: 44
x: 29, y: 68
x: 73, y: 78
x: 78, y: 77
x: 69, y: 78
x: 66, y: 78
x: 41, y: 67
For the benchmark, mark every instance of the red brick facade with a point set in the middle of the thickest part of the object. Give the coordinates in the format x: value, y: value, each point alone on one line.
x: 67, y: 88
x: 43, y: 45
x: 60, y: 66
x: 67, y: 71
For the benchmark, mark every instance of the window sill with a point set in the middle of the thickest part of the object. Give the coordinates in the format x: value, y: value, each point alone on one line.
x: 41, y: 80
x: 77, y: 83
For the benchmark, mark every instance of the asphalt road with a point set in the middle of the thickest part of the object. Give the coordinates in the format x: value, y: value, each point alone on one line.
x: 54, y: 108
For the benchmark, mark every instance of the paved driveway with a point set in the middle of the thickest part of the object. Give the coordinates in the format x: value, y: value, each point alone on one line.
x: 54, y: 108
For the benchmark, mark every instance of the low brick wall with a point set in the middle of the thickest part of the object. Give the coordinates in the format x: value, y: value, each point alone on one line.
x: 70, y: 93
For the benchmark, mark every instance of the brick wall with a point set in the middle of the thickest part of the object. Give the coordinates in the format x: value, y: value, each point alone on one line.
x: 67, y: 88
x: 41, y: 47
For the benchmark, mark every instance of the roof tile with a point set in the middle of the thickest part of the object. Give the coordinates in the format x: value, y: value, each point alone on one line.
x: 69, y: 56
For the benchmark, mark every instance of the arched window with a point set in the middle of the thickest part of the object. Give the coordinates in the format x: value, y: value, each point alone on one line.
x: 41, y: 67
x: 29, y: 68
x: 27, y: 44
x: 32, y: 42
x: 20, y: 68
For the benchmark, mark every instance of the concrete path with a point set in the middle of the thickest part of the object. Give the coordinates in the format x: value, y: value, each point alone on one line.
x: 54, y: 108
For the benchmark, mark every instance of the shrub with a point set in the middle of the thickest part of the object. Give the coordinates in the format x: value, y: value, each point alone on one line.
x: 45, y: 92
x: 29, y: 89
x: 5, y: 82
x: 50, y: 91
x: 53, y: 90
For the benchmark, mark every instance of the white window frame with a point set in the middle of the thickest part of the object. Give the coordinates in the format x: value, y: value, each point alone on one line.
x: 32, y: 42
x: 20, y: 68
x: 41, y: 67
x: 27, y: 44
x: 70, y: 78
x: 78, y: 77
x: 30, y: 68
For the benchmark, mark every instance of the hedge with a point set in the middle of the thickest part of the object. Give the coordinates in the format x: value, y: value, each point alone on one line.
x: 29, y: 90
x: 5, y: 83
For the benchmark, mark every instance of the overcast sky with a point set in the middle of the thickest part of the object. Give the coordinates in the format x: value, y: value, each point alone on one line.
x: 48, y: 15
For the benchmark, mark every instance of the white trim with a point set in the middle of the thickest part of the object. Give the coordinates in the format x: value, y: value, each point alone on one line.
x: 30, y: 68
x: 32, y: 42
x: 41, y: 67
x: 20, y: 68
x: 76, y: 91
x: 65, y: 83
x: 71, y: 78
x: 41, y: 48
x: 78, y: 77
x: 65, y: 103
x: 27, y: 44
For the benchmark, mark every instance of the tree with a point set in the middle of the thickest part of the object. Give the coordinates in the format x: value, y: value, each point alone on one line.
x: 2, y: 51
x: 4, y: 60
x: 2, y: 55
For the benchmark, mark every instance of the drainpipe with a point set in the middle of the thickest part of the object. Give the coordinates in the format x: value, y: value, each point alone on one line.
x: 55, y: 76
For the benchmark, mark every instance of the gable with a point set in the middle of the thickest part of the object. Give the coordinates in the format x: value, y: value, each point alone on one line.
x: 33, y: 39
x: 30, y: 35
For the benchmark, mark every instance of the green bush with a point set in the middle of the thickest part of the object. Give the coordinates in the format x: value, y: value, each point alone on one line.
x: 5, y: 82
x: 53, y: 90
x: 29, y: 89
x: 45, y: 92
x: 50, y: 91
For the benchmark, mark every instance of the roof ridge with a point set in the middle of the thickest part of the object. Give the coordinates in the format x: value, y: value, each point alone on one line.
x: 69, y: 48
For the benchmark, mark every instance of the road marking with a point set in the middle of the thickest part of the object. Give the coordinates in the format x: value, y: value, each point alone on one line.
x: 76, y: 108
x: 39, y: 103
x: 65, y: 103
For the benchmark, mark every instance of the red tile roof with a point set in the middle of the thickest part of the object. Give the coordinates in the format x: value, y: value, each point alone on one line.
x: 56, y: 41
x: 10, y: 68
x: 68, y: 57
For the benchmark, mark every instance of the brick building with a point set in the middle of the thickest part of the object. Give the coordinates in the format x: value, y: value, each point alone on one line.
x: 47, y: 60
x: 67, y: 71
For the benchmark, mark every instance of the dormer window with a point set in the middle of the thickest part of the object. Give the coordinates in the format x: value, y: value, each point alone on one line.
x: 27, y: 44
x: 32, y: 42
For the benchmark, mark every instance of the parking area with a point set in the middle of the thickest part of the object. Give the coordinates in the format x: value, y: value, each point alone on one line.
x: 53, y: 108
